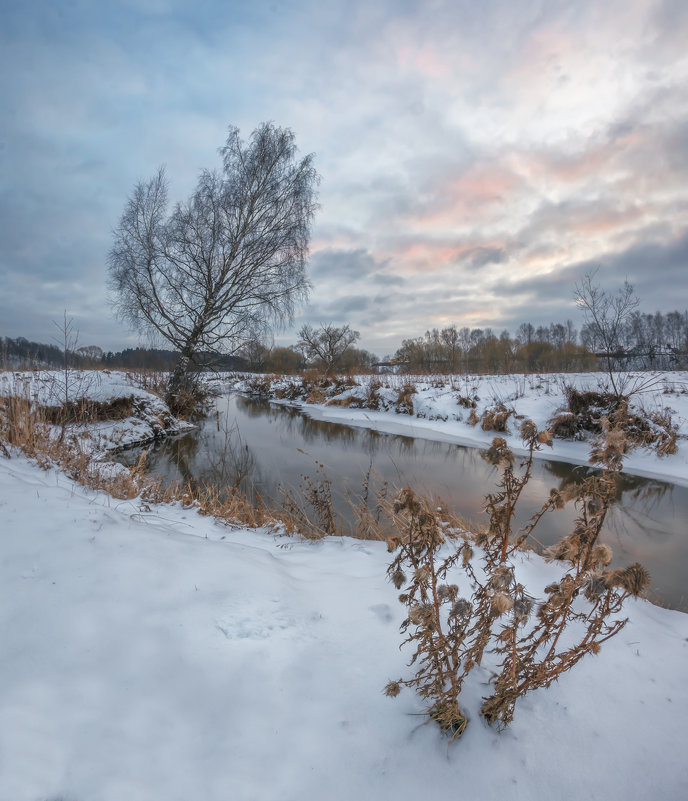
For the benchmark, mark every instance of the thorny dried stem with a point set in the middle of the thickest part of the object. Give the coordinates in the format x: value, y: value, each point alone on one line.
x: 535, y: 643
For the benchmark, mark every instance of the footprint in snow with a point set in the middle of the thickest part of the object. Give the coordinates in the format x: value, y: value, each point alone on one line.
x: 383, y: 612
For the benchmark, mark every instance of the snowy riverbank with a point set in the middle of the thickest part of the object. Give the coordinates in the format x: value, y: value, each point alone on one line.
x: 123, y: 412
x: 437, y: 413
x: 153, y: 653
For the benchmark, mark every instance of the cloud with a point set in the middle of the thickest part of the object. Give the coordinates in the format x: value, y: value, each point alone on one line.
x: 474, y: 157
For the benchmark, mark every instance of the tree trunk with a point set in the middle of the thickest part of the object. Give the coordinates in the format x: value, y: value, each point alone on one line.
x: 179, y: 378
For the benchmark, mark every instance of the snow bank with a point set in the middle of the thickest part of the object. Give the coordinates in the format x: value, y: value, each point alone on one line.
x: 150, y: 418
x: 154, y: 654
x: 437, y: 414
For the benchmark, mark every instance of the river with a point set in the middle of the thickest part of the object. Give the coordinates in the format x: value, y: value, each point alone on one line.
x: 268, y: 448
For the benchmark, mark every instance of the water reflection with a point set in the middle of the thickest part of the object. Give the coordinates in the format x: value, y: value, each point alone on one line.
x: 264, y: 448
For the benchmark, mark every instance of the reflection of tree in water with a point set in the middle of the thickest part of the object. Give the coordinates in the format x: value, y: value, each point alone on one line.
x: 295, y: 422
x: 181, y: 451
x: 232, y: 466
x: 638, y: 508
x: 630, y: 489
x: 253, y: 407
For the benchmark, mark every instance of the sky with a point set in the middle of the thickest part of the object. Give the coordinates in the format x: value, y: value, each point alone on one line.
x: 476, y: 159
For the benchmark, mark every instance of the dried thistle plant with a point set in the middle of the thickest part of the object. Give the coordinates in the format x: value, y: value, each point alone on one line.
x: 437, y: 618
x: 533, y: 642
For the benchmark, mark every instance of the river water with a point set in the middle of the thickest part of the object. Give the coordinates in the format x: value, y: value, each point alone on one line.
x: 267, y: 449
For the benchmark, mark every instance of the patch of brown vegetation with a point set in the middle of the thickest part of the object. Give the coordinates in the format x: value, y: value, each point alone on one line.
x: 404, y: 401
x: 495, y: 418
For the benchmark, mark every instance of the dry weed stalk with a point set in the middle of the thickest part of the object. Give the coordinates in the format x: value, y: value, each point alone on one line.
x: 316, y: 518
x: 437, y: 619
x: 451, y: 634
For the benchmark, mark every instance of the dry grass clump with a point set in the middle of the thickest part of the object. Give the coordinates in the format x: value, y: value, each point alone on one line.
x: 373, y: 400
x: 667, y: 432
x: 83, y: 410
x: 599, y: 412
x: 494, y: 418
x: 466, y: 402
x: 22, y: 425
x: 404, y: 401
x: 564, y: 426
x: 536, y: 636
x: 310, y: 512
x: 260, y: 386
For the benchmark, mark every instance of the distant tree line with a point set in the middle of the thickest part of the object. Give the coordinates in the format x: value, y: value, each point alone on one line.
x: 478, y: 350
x: 23, y: 353
x: 644, y: 342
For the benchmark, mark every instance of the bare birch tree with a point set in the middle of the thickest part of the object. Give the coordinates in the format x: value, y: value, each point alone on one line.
x: 227, y: 264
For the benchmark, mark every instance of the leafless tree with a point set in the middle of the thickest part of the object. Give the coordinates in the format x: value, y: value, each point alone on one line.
x: 227, y: 264
x: 326, y: 344
x: 607, y: 316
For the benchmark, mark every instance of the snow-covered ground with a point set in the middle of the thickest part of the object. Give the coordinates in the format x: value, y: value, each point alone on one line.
x: 151, y: 653
x: 150, y: 418
x: 438, y: 415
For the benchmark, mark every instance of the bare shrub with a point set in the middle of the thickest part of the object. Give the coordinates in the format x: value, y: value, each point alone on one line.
x: 316, y: 395
x: 667, y: 432
x: 373, y: 399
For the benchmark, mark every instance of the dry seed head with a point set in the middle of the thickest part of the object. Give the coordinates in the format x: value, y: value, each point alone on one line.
x: 499, y: 454
x: 466, y: 555
x: 596, y: 587
x: 462, y: 608
x: 447, y: 592
x: 392, y: 689
x: 428, y: 615
x: 551, y: 588
x: 634, y: 578
x: 421, y: 574
x: 556, y: 499
x: 398, y: 578
x: 501, y: 578
x: 545, y: 438
x: 422, y: 614
x: 522, y: 609
x: 569, y: 492
x: 601, y: 555
x: 528, y: 429
x: 567, y: 549
x: 501, y: 603
x: 406, y: 499
x: 404, y: 597
x: 393, y: 543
